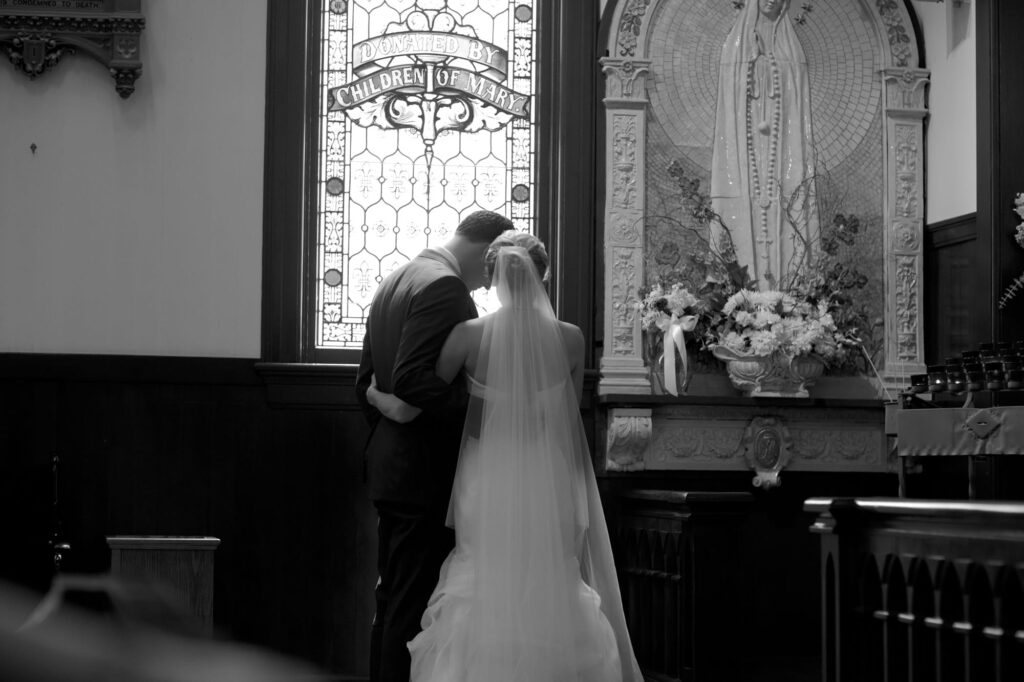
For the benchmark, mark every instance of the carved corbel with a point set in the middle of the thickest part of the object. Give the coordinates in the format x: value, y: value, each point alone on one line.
x: 629, y: 437
x: 767, y: 447
x: 35, y: 40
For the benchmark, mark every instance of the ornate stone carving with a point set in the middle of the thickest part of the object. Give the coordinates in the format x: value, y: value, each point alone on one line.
x: 625, y: 229
x: 767, y: 448
x: 625, y: 284
x: 906, y: 308
x: 625, y: 77
x: 821, y: 445
x: 906, y: 236
x: 624, y: 141
x: 106, y: 30
x: 906, y: 196
x: 906, y: 150
x: 905, y: 88
x: 739, y: 438
x: 631, y: 20
x: 899, y: 37
x: 629, y: 435
x: 695, y: 443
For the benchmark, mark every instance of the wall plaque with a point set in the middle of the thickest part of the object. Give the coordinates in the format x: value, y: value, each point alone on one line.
x: 36, y: 34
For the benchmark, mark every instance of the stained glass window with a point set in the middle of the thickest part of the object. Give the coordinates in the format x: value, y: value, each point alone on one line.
x: 427, y: 115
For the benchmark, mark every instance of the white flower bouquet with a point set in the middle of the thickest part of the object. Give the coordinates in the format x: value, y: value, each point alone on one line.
x: 766, y: 322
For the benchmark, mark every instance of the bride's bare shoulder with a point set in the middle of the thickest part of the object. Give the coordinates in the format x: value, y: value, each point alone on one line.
x: 572, y: 335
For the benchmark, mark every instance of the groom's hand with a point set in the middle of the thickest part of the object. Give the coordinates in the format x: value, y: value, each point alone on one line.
x: 392, y: 407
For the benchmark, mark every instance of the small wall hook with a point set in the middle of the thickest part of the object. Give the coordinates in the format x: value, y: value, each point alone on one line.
x: 33, y: 147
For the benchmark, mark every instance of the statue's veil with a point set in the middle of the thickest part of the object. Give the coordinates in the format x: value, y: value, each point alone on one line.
x: 539, y: 523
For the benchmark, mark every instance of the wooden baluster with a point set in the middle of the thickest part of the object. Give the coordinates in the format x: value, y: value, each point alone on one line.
x: 922, y: 639
x: 1013, y: 624
x: 1006, y: 604
x: 948, y: 662
x: 894, y: 602
x: 644, y: 600
x: 871, y: 635
x: 673, y: 611
x: 657, y: 614
x: 978, y: 611
x: 686, y: 602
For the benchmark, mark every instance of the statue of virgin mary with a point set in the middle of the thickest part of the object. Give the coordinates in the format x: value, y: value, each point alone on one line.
x: 762, y: 172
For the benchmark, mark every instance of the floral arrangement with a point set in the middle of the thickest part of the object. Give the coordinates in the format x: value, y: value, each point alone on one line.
x: 820, y: 311
x: 659, y: 304
x: 767, y: 322
x: 1017, y: 285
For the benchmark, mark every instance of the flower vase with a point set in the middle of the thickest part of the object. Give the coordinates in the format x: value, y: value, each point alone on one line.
x: 654, y: 359
x: 771, y: 376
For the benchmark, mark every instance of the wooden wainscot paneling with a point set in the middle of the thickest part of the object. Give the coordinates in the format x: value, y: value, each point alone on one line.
x: 680, y: 573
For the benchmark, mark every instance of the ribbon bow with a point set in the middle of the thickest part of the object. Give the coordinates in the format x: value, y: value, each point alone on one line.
x: 675, y: 338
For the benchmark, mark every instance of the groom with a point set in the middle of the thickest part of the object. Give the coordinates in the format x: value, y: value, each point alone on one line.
x: 410, y: 467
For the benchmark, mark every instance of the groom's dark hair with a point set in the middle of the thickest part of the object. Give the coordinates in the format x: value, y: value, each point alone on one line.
x: 483, y: 226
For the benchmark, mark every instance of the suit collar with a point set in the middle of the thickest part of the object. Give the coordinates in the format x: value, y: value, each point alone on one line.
x: 442, y: 255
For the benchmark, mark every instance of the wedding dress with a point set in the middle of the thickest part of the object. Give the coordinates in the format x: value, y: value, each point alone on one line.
x: 529, y: 594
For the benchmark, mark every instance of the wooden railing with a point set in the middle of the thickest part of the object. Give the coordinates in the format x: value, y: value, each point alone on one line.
x: 676, y: 553
x: 921, y: 590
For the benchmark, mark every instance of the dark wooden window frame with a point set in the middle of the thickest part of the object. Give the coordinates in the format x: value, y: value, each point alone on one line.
x: 566, y: 190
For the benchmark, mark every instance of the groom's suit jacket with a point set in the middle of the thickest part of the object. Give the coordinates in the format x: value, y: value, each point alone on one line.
x: 412, y: 314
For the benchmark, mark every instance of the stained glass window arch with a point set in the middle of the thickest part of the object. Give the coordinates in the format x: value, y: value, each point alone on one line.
x: 427, y: 114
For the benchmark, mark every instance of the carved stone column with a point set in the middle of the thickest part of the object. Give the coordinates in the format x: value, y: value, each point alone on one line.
x: 622, y: 365
x: 905, y: 112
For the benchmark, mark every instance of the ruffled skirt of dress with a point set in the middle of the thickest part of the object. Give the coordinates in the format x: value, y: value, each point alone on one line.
x: 440, y: 651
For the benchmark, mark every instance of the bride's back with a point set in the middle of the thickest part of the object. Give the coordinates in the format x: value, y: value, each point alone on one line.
x: 476, y: 331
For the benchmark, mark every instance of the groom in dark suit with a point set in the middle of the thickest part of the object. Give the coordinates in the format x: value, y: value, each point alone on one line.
x: 410, y: 467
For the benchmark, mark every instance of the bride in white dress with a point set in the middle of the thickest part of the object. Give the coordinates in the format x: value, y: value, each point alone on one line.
x: 529, y: 594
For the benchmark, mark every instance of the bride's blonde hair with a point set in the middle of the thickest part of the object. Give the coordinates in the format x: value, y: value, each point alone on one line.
x: 534, y: 247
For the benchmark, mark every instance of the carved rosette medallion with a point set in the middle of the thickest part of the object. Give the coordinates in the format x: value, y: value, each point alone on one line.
x: 106, y: 30
x: 906, y: 237
x: 629, y: 436
x: 767, y: 448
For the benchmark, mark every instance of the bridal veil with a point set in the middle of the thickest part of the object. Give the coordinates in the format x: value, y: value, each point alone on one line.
x: 539, y: 526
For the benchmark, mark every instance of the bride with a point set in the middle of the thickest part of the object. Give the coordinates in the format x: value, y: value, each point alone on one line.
x: 529, y: 594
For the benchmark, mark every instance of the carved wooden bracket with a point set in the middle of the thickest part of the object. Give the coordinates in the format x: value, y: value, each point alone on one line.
x: 37, y: 35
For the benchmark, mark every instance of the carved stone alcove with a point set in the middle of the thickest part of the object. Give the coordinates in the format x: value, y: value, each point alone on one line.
x: 37, y: 35
x: 868, y: 104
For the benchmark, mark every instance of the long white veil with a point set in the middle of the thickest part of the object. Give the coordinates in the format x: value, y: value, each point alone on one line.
x: 539, y: 524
